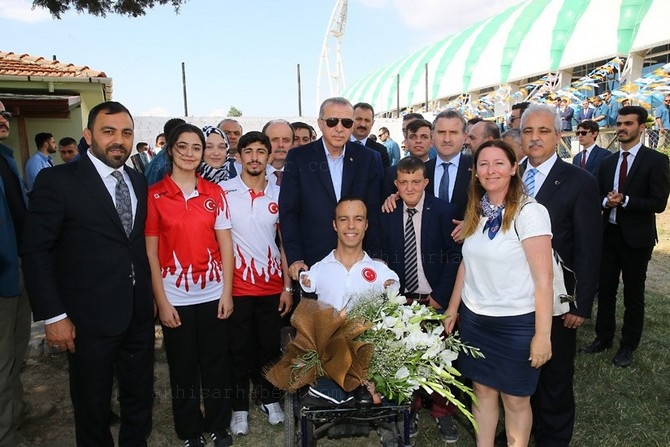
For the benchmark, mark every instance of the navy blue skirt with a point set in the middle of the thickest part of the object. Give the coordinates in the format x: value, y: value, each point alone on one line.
x: 505, y: 343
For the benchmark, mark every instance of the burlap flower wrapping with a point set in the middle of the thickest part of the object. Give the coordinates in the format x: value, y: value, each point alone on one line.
x: 323, y: 346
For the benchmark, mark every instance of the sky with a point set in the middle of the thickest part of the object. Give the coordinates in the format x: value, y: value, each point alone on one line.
x: 236, y: 53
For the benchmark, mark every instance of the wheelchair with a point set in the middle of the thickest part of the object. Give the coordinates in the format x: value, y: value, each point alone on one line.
x: 309, y: 418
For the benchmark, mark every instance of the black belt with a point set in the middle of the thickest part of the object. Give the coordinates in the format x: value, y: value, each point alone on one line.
x: 420, y: 297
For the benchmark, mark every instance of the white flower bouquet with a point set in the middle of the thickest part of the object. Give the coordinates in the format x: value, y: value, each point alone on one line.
x: 410, y: 350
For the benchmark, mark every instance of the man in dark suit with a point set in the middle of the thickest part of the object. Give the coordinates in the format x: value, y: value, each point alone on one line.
x: 427, y: 268
x: 316, y: 176
x: 591, y: 155
x: 364, y: 118
x: 448, y: 138
x: 86, y: 268
x: 634, y: 185
x: 570, y: 195
x: 585, y: 112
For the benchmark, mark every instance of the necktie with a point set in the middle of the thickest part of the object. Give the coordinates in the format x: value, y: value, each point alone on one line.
x: 582, y: 163
x: 623, y: 171
x: 123, y: 205
x: 411, y: 269
x: 50, y: 161
x: 443, y: 190
x: 279, y: 175
x: 530, y: 181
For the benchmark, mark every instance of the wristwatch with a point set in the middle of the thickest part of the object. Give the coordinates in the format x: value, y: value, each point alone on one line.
x: 288, y: 289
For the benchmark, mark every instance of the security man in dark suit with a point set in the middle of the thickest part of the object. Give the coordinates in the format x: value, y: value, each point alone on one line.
x: 634, y: 185
x: 87, y: 273
x: 591, y: 155
x: 364, y: 118
x: 570, y: 195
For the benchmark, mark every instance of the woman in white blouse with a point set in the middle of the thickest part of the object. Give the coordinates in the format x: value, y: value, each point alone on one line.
x: 503, y: 293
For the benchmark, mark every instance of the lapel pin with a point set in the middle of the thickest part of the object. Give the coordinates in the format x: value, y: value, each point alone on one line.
x: 557, y: 183
x: 351, y: 158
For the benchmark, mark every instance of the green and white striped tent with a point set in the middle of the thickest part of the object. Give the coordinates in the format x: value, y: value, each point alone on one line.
x: 529, y: 39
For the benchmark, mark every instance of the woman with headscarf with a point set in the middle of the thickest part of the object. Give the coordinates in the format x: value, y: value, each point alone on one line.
x: 215, y: 166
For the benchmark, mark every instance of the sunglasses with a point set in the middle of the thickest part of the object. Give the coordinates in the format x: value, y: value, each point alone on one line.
x: 347, y: 123
x: 581, y: 133
x: 6, y: 115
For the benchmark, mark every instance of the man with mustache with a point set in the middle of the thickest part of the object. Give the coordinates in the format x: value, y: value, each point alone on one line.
x: 634, y: 185
x: 364, y: 118
x: 570, y: 194
x: 281, y: 135
x: 86, y: 268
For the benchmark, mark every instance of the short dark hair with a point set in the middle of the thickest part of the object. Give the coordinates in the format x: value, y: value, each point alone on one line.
x: 384, y: 130
x: 171, y: 125
x: 418, y: 124
x: 475, y: 120
x: 411, y: 164
x: 641, y: 113
x: 589, y: 125
x: 141, y: 144
x: 66, y: 141
x: 350, y: 199
x: 158, y: 137
x: 301, y: 125
x: 491, y: 129
x: 522, y: 106
x: 109, y: 108
x: 364, y: 105
x: 42, y: 138
x: 254, y: 137
x: 451, y: 114
x: 412, y: 116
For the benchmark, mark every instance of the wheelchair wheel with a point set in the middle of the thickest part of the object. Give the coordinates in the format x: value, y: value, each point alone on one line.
x: 290, y: 420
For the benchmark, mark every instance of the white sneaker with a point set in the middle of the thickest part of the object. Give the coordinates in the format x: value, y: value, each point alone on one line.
x: 273, y: 412
x: 239, y: 423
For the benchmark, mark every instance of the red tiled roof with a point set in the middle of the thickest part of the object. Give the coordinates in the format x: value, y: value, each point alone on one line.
x: 12, y: 64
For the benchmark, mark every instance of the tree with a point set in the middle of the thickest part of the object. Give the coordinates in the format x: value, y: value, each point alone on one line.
x: 234, y: 111
x: 132, y: 8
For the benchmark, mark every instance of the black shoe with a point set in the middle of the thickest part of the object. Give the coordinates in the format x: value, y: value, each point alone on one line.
x: 362, y: 397
x: 447, y: 428
x: 221, y: 438
x: 596, y: 346
x: 623, y: 358
x: 195, y: 442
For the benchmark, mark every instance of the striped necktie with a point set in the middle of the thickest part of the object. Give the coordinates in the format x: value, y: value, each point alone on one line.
x: 411, y: 267
x: 530, y: 181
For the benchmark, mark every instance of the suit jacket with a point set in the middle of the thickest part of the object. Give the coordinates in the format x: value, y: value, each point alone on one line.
x: 566, y: 118
x: 570, y: 195
x: 138, y: 163
x: 440, y: 255
x: 77, y: 258
x: 459, y: 196
x: 598, y: 154
x: 583, y: 116
x: 647, y: 187
x: 307, y: 199
x: 383, y: 153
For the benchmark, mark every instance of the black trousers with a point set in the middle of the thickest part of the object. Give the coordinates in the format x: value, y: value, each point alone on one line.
x: 631, y: 263
x: 92, y: 368
x: 197, y: 354
x: 256, y: 325
x: 553, y: 403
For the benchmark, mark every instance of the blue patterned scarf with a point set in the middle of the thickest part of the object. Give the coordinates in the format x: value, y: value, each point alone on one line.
x: 493, y: 216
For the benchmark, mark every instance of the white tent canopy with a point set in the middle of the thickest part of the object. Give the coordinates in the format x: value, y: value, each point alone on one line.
x: 529, y: 39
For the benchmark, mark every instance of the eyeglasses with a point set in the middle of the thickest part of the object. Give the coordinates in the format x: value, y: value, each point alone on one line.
x: 581, y: 133
x: 6, y: 115
x: 512, y: 118
x: 347, y: 123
